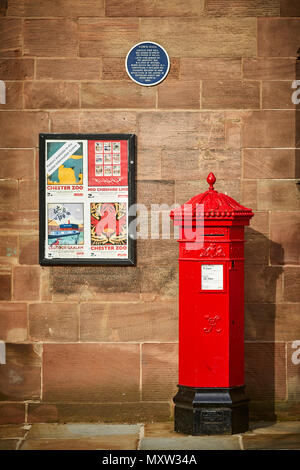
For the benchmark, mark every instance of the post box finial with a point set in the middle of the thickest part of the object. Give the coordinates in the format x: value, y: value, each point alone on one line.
x: 211, y: 179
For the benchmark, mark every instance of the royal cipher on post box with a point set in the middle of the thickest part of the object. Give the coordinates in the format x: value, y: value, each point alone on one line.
x: 211, y: 395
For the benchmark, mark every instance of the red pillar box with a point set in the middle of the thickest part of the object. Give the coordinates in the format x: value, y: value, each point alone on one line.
x: 211, y: 397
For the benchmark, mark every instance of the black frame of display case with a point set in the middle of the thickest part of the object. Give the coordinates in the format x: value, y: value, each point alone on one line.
x: 131, y: 259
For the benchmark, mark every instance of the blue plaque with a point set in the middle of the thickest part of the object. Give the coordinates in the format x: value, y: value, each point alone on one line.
x: 147, y: 63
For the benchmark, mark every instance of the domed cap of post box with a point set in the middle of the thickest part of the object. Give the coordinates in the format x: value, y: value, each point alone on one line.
x: 216, y: 206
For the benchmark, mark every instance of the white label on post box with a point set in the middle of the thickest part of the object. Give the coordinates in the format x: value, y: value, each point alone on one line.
x: 212, y: 276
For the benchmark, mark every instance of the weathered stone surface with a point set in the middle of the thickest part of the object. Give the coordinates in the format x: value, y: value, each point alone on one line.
x: 12, y: 431
x: 3, y: 7
x: 8, y: 444
x: 225, y: 163
x: 270, y: 322
x: 278, y: 37
x: 28, y: 194
x: 29, y: 249
x: 53, y: 322
x: 64, y: 121
x: 191, y: 443
x: 149, y: 8
x: 149, y: 164
x: 12, y: 413
x: 138, y: 412
x: 113, y: 68
x: 233, y: 129
x: 10, y: 37
x: 15, y: 162
x: 278, y: 195
x: 45, y: 95
x: 121, y: 121
x: 5, y: 283
x: 257, y: 247
x: 262, y: 283
x: 80, y: 430
x: 285, y: 235
x: 161, y: 430
x: 210, y: 69
x: 65, y: 8
x: 269, y: 68
x: 121, y: 95
x: 260, y: 222
x: 288, y: 410
x: 291, y: 288
x: 20, y: 221
x: 280, y: 427
x: 289, y: 8
x: 272, y: 129
x: 8, y: 249
x: 16, y: 69
x: 249, y: 194
x: 159, y: 369
x: 160, y: 280
x: 106, y: 37
x: 180, y: 164
x: 211, y: 134
x: 123, y: 321
x: 124, y: 442
x: 193, y: 37
x: 14, y: 96
x: 233, y: 94
x: 117, y: 383
x: 8, y: 194
x: 21, y: 128
x: 271, y: 442
x: 20, y: 377
x: 269, y: 163
x: 171, y: 130
x: 13, y: 322
x: 184, y: 190
x: 155, y: 192
x: 181, y: 130
x: 175, y: 68
x: 68, y: 281
x: 265, y: 370
x: 26, y: 283
x: 277, y: 95
x: 157, y: 252
x: 50, y: 37
x: 242, y: 7
x: 179, y: 95
x: 68, y: 69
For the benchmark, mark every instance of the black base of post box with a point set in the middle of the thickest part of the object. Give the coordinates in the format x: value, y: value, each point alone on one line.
x: 201, y: 411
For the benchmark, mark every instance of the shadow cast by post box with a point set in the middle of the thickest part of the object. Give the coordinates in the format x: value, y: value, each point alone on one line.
x: 262, y: 290
x: 297, y: 123
x: 265, y: 374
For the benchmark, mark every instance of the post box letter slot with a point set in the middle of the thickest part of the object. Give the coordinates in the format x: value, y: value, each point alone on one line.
x: 214, y: 234
x: 212, y: 276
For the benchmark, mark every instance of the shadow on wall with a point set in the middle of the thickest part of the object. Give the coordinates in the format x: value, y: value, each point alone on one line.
x: 265, y: 367
x: 263, y: 356
x: 297, y: 124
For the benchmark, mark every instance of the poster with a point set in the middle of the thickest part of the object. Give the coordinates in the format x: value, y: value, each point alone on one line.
x: 86, y: 190
x: 212, y: 276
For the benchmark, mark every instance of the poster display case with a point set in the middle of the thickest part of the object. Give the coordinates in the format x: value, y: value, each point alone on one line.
x: 87, y: 185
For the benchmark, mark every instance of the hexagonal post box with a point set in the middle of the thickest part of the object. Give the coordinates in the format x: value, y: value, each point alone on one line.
x: 211, y: 396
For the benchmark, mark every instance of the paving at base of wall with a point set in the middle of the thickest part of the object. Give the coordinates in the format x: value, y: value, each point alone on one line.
x: 155, y: 436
